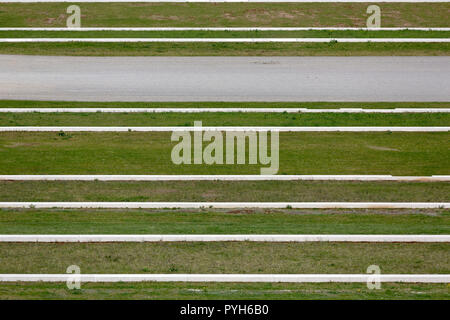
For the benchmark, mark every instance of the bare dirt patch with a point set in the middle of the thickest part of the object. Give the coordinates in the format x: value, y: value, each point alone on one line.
x: 51, y: 21
x: 159, y: 17
x: 19, y: 144
x: 285, y: 15
x: 382, y: 148
x: 229, y: 16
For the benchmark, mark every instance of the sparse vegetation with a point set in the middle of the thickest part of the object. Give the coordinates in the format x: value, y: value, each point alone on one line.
x: 226, y: 49
x: 223, y: 119
x: 224, y: 14
x: 226, y: 257
x: 219, y: 291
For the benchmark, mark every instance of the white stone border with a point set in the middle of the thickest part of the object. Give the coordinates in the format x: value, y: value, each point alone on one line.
x: 234, y: 40
x: 234, y: 129
x: 230, y: 177
x: 224, y: 29
x: 227, y: 205
x: 407, y: 278
x: 224, y: 238
x: 199, y: 110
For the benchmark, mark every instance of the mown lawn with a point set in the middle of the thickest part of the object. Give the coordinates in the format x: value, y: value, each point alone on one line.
x: 395, y: 153
x: 224, y: 119
x: 227, y: 49
x: 208, y: 221
x: 223, y: 291
x: 225, y: 14
x: 226, y: 257
x: 218, y: 191
x: 149, y: 153
x: 226, y: 34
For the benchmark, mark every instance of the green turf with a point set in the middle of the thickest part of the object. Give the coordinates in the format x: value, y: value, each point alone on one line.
x: 225, y: 14
x: 226, y: 257
x: 227, y: 49
x: 222, y: 291
x: 309, y: 105
x: 150, y: 153
x: 224, y: 119
x: 206, y: 221
x: 240, y: 191
x: 226, y: 34
x: 420, y: 154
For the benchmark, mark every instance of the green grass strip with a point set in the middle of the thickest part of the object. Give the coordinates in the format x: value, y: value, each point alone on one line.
x: 224, y: 119
x: 225, y: 14
x: 227, y: 49
x: 33, y: 221
x: 225, y: 257
x: 219, y: 291
x: 226, y: 34
x: 224, y: 191
x: 397, y: 153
